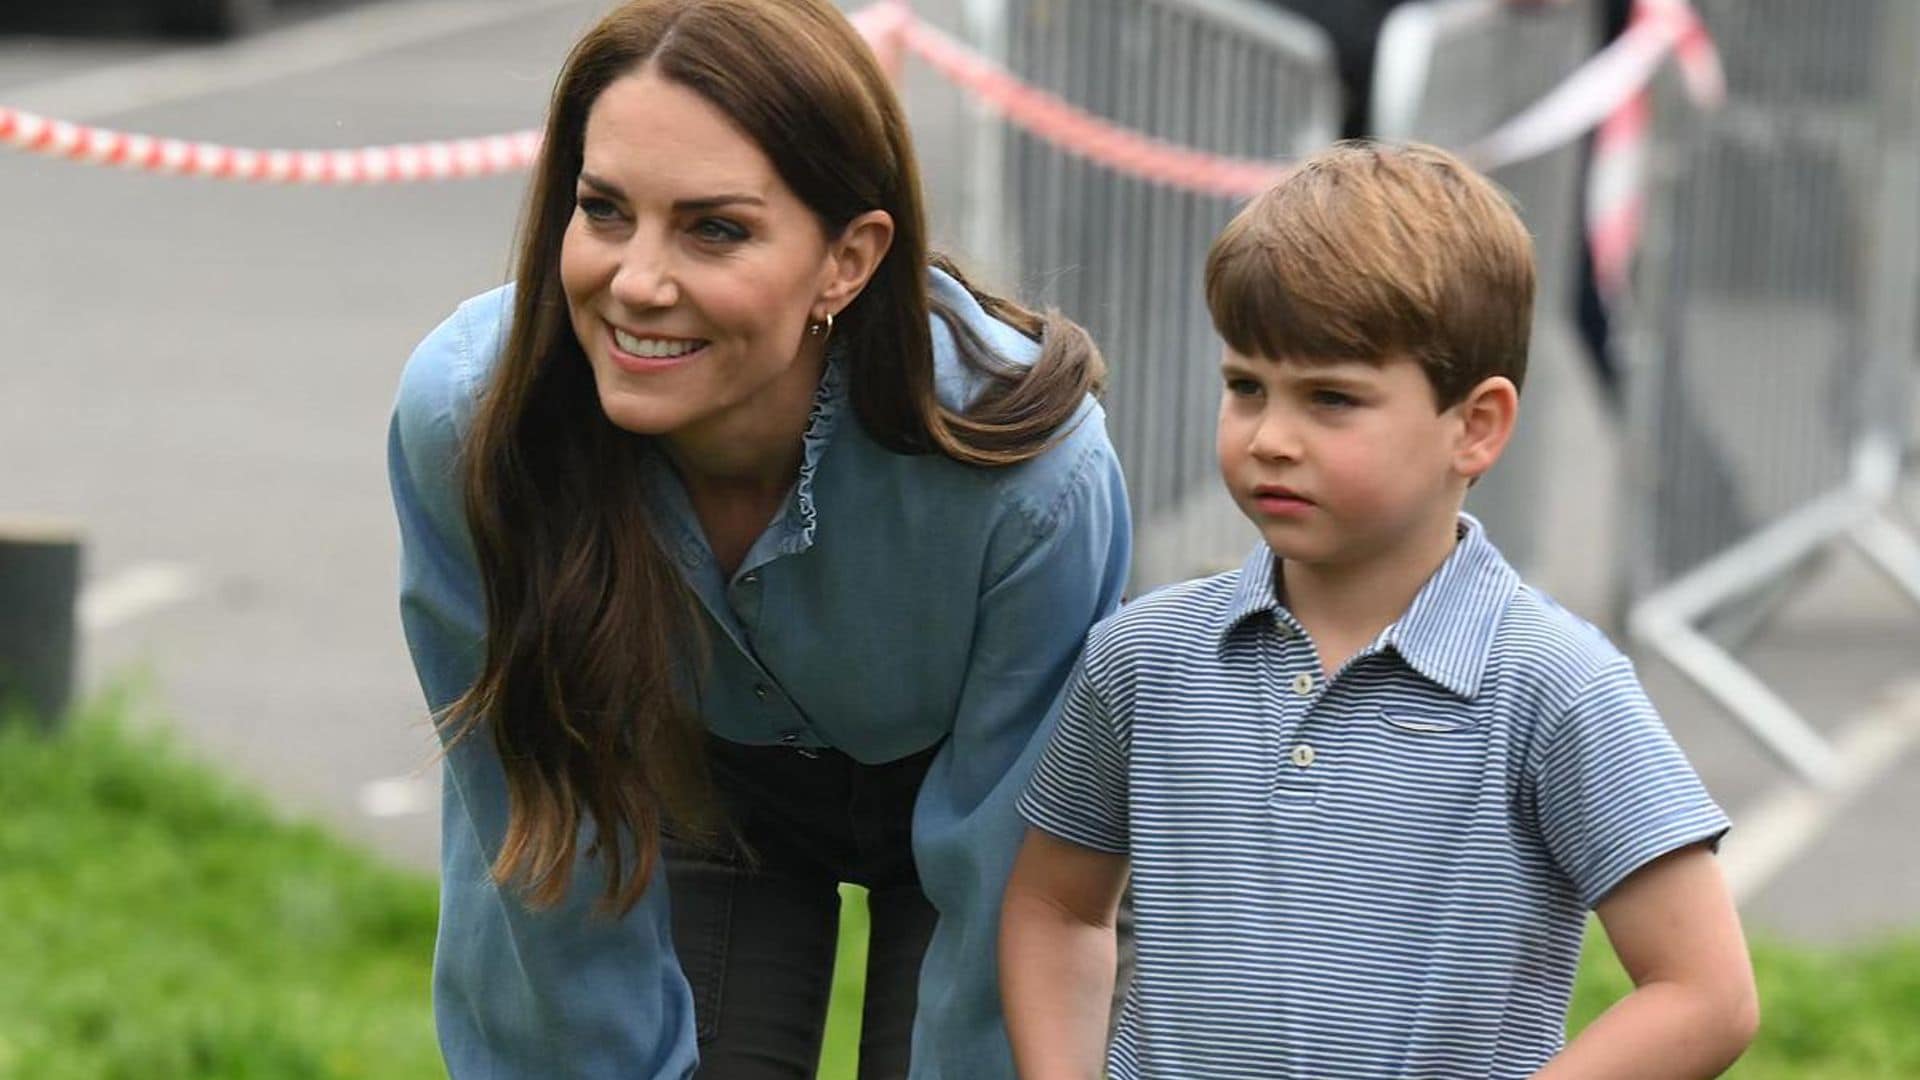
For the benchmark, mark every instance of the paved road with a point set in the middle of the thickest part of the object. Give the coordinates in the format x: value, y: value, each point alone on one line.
x: 201, y: 372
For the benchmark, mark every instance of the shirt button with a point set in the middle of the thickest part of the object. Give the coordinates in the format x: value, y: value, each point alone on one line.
x: 760, y: 691
x: 750, y: 579
x: 1303, y: 684
x: 1303, y: 755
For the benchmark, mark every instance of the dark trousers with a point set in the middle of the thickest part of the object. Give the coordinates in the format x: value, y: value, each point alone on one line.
x: 756, y: 931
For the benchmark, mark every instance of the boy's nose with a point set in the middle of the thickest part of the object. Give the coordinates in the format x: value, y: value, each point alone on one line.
x: 1275, y: 439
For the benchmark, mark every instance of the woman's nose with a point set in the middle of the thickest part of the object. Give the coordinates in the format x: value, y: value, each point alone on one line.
x: 645, y: 277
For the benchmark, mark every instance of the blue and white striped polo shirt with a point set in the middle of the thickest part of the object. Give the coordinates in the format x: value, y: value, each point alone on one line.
x: 1381, y: 874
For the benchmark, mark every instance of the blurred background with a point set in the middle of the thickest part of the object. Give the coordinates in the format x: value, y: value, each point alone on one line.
x: 1714, y: 463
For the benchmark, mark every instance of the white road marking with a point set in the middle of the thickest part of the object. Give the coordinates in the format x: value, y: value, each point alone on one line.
x: 311, y: 45
x: 132, y: 593
x: 1768, y: 838
x: 398, y: 796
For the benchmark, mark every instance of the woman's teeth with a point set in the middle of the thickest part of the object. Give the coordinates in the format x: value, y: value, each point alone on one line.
x: 654, y: 348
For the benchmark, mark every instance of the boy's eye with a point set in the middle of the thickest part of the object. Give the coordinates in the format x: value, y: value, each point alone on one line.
x: 719, y: 231
x: 596, y: 208
x: 1244, y: 387
x: 1334, y: 399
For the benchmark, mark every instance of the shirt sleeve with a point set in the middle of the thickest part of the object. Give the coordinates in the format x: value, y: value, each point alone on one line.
x: 440, y: 606
x: 1613, y: 791
x: 516, y: 993
x: 1079, y: 791
x: 1066, y: 573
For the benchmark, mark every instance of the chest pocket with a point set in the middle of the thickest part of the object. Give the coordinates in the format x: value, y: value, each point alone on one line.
x: 1414, y: 781
x: 1418, y: 757
x: 1434, y: 740
x: 1426, y: 720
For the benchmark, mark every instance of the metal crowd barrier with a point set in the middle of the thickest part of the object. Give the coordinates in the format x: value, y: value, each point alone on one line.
x: 1771, y: 386
x: 1124, y: 257
x: 1448, y: 72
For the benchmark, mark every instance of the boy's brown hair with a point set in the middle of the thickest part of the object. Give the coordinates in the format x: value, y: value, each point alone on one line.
x: 1369, y: 250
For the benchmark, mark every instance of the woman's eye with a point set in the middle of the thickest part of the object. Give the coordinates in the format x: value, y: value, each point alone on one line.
x: 719, y: 231
x: 597, y: 209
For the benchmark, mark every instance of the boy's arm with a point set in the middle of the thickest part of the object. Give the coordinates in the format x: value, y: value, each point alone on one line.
x: 1693, y: 1009
x: 1057, y: 956
x: 1632, y: 827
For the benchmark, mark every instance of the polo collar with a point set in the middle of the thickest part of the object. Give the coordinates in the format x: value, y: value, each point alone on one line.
x: 1445, y: 634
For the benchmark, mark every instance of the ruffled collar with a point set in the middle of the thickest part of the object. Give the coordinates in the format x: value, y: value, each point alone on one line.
x: 793, y: 531
x: 829, y: 402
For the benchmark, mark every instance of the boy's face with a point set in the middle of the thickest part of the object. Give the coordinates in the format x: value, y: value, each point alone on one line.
x: 1345, y: 462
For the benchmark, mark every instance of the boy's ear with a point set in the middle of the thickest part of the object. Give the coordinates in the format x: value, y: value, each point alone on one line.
x: 1487, y: 415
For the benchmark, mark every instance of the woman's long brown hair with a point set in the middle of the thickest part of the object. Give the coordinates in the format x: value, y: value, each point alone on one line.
x: 594, y: 644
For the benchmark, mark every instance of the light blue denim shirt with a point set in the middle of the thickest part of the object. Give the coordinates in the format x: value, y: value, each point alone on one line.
x: 897, y: 601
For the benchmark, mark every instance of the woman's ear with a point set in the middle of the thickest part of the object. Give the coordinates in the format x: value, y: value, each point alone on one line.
x: 852, y: 258
x: 1487, y: 416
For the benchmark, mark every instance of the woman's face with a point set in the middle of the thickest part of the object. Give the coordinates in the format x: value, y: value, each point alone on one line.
x: 691, y: 271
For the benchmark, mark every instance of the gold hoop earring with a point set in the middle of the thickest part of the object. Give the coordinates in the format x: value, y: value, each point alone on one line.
x: 823, y: 328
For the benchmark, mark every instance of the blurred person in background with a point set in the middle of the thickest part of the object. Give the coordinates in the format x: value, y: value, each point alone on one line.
x: 746, y: 550
x: 1595, y: 321
x: 1353, y: 27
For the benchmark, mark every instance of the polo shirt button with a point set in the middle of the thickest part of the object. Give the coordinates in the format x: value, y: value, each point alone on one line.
x: 1303, y: 684
x: 750, y: 579
x: 1303, y: 755
x: 760, y: 691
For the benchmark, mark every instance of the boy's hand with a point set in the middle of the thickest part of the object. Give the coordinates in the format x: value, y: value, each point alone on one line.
x: 1057, y: 955
x: 1694, y: 1009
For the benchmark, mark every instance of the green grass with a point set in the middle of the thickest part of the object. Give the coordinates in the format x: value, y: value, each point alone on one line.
x: 158, y: 923
x: 1825, y: 1015
x: 840, y: 1050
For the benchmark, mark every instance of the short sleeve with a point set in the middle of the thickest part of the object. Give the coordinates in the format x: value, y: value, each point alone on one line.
x: 1612, y: 790
x: 1079, y: 788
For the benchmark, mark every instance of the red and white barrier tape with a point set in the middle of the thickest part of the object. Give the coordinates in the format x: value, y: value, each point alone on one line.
x: 1596, y: 89
x: 1616, y: 193
x: 884, y: 25
x: 1606, y: 83
x: 459, y: 159
x: 1079, y: 132
x: 456, y: 160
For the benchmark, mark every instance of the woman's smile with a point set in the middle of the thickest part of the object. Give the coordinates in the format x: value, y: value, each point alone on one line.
x: 641, y: 354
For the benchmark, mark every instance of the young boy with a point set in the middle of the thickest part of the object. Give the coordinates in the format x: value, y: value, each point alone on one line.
x: 1369, y: 785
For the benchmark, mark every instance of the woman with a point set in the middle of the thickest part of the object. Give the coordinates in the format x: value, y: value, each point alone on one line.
x: 740, y: 518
